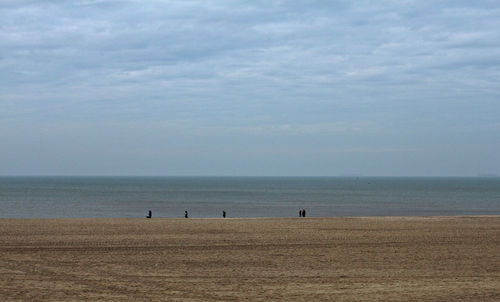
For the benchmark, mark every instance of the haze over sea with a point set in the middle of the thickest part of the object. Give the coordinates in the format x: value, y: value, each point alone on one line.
x: 74, y: 197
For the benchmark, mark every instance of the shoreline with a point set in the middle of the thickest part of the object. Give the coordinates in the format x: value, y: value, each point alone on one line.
x: 263, y: 218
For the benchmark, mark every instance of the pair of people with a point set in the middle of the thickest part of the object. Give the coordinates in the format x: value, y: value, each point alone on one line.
x: 302, y: 213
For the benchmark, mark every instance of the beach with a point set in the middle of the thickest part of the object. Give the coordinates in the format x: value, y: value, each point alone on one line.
x: 251, y: 259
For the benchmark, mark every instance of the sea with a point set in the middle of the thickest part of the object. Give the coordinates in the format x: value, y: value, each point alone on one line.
x: 207, y: 197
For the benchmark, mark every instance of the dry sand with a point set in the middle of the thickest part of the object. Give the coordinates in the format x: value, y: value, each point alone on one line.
x: 296, y: 259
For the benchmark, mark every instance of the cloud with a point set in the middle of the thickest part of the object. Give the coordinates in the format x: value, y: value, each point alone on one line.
x: 315, y: 66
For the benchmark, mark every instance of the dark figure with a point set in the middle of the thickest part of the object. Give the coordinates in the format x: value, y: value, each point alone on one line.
x: 149, y: 214
x: 300, y: 213
x: 223, y: 214
x: 185, y: 214
x: 303, y: 213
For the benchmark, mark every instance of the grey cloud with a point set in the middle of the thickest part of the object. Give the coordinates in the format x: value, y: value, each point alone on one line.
x: 234, y: 66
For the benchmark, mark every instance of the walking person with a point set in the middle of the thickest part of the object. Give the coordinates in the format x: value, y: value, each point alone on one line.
x: 185, y: 214
x: 223, y: 214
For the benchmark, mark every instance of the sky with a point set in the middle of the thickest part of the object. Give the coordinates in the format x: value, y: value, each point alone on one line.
x: 255, y: 88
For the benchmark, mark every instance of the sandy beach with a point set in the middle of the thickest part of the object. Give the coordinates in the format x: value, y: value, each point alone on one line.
x: 294, y: 259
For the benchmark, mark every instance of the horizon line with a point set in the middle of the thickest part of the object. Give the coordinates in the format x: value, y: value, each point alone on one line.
x: 490, y: 175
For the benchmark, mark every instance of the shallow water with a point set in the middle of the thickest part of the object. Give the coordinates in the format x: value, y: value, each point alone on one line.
x: 70, y: 197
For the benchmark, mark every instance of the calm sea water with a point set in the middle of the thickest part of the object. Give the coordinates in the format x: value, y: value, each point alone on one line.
x: 68, y: 197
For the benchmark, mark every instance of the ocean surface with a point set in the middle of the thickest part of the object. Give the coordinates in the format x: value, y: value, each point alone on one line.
x: 72, y: 197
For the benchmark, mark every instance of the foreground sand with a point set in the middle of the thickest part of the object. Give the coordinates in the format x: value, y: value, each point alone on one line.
x: 341, y: 259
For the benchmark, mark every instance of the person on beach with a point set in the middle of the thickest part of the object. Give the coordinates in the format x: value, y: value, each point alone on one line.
x: 149, y: 214
x: 223, y: 214
x: 185, y: 214
x: 300, y: 213
x: 303, y: 213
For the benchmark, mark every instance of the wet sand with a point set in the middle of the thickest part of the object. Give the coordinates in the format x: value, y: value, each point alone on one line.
x: 296, y: 259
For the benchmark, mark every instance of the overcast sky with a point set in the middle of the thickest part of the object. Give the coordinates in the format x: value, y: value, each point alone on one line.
x: 297, y: 87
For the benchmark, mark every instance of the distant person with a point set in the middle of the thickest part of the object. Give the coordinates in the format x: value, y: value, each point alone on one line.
x: 149, y: 214
x: 300, y: 213
x: 223, y: 214
x: 185, y: 214
x: 303, y: 213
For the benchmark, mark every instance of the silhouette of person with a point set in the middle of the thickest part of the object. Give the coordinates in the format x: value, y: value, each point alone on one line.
x: 185, y: 214
x: 303, y: 213
x: 300, y: 213
x: 223, y: 214
x: 149, y: 214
